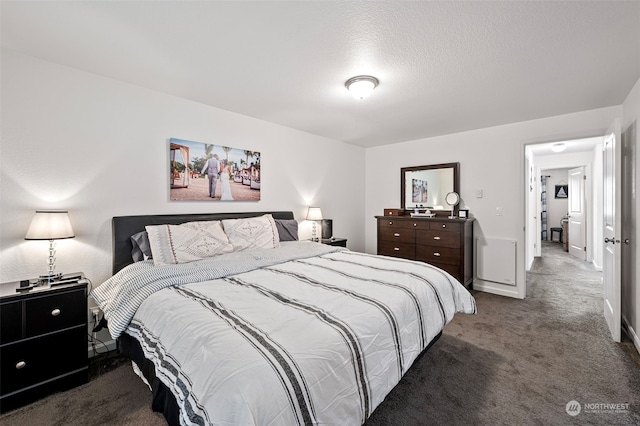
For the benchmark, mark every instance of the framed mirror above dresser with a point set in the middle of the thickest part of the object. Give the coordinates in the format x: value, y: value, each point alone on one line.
x: 438, y: 239
x: 425, y: 187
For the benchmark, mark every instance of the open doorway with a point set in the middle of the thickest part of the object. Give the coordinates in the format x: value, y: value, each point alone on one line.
x: 546, y: 164
x: 554, y: 208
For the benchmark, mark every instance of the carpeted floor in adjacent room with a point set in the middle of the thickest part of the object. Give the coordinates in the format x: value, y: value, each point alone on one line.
x: 517, y: 362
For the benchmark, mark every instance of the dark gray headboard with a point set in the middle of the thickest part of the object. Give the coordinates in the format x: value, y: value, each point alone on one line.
x: 125, y: 226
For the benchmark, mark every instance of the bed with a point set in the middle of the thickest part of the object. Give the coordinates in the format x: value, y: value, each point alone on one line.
x: 268, y: 329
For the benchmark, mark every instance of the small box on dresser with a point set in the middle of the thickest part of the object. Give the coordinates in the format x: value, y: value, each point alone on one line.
x: 439, y: 241
x: 43, y: 341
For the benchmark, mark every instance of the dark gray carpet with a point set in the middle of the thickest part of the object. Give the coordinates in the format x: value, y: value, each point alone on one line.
x: 517, y: 362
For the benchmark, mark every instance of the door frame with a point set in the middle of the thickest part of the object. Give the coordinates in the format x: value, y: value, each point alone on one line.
x: 563, y: 161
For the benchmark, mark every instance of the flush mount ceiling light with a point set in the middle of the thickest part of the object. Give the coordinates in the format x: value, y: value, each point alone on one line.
x: 558, y: 147
x: 361, y: 86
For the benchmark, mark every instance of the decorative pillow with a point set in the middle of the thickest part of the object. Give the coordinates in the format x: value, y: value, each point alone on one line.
x: 141, y: 248
x: 287, y: 229
x: 187, y: 242
x: 253, y: 232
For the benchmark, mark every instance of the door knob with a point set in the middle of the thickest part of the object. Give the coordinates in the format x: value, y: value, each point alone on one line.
x: 627, y: 241
x: 610, y: 240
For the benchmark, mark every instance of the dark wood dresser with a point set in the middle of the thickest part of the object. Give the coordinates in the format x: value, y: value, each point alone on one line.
x: 43, y: 341
x: 439, y: 241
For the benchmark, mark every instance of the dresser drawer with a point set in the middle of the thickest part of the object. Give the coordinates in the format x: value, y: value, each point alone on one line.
x: 32, y: 361
x: 55, y: 312
x: 454, y: 270
x: 400, y: 235
x: 10, y: 322
x: 416, y: 224
x: 430, y: 254
x: 396, y: 249
x: 390, y: 223
x: 445, y: 226
x: 439, y: 238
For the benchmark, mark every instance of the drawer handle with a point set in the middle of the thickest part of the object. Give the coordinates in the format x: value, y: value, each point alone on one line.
x: 20, y: 365
x: 396, y: 235
x: 436, y: 238
x: 390, y: 222
x: 436, y: 254
x: 415, y: 224
x: 396, y: 248
x: 444, y: 225
x: 55, y: 312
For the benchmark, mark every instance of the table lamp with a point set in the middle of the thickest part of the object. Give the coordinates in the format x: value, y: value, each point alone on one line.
x: 50, y: 225
x: 314, y: 214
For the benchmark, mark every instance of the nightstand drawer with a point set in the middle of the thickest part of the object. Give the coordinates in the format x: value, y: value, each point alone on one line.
x: 430, y: 254
x: 33, y: 361
x: 440, y: 238
x: 55, y: 312
x: 400, y: 235
x: 10, y: 322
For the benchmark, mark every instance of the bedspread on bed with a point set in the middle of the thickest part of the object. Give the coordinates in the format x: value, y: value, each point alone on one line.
x: 312, y: 340
x: 120, y: 296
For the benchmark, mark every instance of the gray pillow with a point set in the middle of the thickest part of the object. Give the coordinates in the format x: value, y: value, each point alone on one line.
x: 141, y: 248
x: 287, y: 229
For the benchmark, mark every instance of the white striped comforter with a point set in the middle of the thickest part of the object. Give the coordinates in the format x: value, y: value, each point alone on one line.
x: 316, y: 340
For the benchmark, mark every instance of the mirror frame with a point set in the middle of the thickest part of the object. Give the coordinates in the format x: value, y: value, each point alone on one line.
x: 404, y: 170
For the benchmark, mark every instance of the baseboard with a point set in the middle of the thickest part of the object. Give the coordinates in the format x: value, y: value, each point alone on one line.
x: 489, y: 287
x: 595, y: 265
x: 108, y: 346
x: 631, y: 333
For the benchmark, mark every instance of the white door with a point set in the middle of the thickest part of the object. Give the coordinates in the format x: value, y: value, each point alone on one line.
x: 577, y: 215
x: 611, y: 230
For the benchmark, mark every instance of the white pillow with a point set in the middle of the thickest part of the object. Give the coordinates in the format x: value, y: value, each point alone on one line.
x: 188, y: 242
x: 253, y: 232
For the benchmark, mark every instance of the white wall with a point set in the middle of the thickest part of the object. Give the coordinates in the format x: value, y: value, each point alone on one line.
x: 98, y: 147
x: 491, y: 159
x: 630, y: 290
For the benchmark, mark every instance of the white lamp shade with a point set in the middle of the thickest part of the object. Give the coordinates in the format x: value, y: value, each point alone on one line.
x: 314, y: 213
x: 50, y: 225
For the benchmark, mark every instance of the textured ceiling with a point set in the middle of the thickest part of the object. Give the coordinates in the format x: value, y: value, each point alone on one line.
x: 444, y: 67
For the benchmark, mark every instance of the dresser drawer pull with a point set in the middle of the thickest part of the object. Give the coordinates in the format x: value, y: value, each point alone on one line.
x: 55, y: 312
x: 20, y: 365
x: 436, y: 254
x: 415, y: 224
x: 396, y: 248
x: 390, y: 222
x: 436, y: 238
x: 396, y: 235
x: 444, y: 225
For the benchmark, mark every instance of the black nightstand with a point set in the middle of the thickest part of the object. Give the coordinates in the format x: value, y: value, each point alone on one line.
x: 43, y: 341
x: 342, y: 242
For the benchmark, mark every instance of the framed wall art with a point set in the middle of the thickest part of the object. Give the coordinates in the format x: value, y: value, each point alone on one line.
x: 562, y: 191
x: 208, y: 172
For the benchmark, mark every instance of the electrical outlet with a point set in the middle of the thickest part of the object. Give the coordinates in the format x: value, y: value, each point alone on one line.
x: 95, y: 312
x: 479, y: 193
x: 499, y: 211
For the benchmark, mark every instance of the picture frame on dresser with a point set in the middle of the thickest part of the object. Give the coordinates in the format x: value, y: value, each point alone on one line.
x: 463, y: 213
